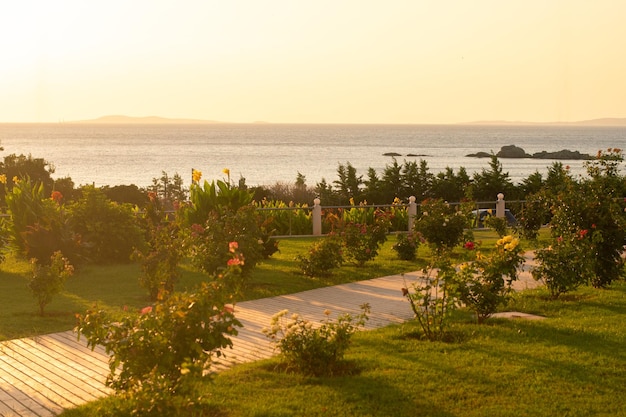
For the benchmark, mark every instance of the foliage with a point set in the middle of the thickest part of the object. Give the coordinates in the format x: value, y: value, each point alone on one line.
x: 39, y: 226
x: 362, y: 241
x: 484, y: 284
x: 47, y: 278
x: 162, y: 253
x: 407, y: 245
x: 215, y: 197
x: 169, y: 189
x: 314, y: 349
x: 441, y: 224
x: 592, y: 205
x: 323, y: 256
x: 15, y: 168
x: 434, y: 297
x: 565, y: 264
x: 499, y: 224
x: 109, y: 231
x: 487, y: 184
x: 285, y: 219
x: 126, y: 194
x: 25, y: 202
x: 534, y: 214
x: 161, y: 354
x: 208, y: 244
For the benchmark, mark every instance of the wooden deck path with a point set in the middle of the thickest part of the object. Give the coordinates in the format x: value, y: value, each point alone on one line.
x: 43, y: 375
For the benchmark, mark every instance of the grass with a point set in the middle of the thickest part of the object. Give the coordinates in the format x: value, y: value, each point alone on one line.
x: 115, y: 288
x: 570, y: 364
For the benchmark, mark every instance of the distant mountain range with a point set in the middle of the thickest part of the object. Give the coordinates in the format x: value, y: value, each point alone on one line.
x: 608, y: 121
x: 119, y: 119
x: 143, y: 120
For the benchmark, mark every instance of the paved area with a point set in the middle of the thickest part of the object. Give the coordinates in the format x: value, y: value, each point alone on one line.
x: 43, y: 375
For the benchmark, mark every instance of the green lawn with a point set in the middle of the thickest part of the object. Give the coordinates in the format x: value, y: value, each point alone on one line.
x: 572, y: 363
x: 115, y: 288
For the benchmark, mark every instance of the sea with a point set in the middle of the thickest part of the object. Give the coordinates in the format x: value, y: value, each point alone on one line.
x: 266, y: 154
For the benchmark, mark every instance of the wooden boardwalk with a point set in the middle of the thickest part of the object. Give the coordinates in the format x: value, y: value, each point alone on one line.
x: 43, y: 375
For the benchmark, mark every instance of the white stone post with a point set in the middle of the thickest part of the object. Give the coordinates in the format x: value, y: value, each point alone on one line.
x: 317, y: 218
x: 412, y: 212
x: 500, y: 205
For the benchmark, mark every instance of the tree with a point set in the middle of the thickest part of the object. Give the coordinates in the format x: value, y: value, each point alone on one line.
x: 392, y: 181
x: 169, y: 189
x: 37, y: 169
x: 348, y: 184
x: 489, y: 183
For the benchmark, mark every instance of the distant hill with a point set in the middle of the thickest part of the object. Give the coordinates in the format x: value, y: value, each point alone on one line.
x: 115, y: 119
x: 608, y: 121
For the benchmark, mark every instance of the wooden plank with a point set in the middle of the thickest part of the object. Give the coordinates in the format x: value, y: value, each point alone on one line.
x: 30, y: 396
x: 65, y: 373
x: 32, y: 375
x: 82, y: 368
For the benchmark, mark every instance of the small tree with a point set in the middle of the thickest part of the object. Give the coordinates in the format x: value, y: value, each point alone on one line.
x: 434, y: 297
x: 47, y: 280
x: 162, y: 252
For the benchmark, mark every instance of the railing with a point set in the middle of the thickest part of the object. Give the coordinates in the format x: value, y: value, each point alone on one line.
x: 313, y: 220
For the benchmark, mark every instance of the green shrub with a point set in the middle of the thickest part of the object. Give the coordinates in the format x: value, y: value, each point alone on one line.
x: 208, y: 243
x: 109, y: 231
x: 39, y: 226
x: 498, y: 224
x: 162, y: 253
x: 323, y: 256
x: 407, y: 245
x: 312, y: 349
x: 434, y: 297
x: 362, y: 241
x: 484, y: 284
x: 159, y: 356
x: 441, y: 224
x: 47, y: 278
x: 565, y: 264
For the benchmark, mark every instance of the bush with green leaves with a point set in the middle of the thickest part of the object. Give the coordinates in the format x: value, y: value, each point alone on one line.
x: 441, y: 224
x: 485, y: 283
x: 565, y: 264
x: 362, y: 241
x: 314, y: 349
x: 323, y: 256
x: 434, y: 297
x: 158, y: 357
x: 595, y: 205
x: 534, y: 214
x: 407, y: 245
x: 160, y: 256
x: 208, y: 243
x: 498, y: 224
x: 215, y: 197
x: 109, y: 231
x: 39, y: 226
x: 47, y: 278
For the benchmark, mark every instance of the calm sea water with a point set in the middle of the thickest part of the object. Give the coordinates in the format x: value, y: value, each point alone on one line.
x: 266, y: 153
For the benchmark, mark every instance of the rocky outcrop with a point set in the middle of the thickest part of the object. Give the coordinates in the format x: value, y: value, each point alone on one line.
x: 512, y: 151
x: 564, y: 154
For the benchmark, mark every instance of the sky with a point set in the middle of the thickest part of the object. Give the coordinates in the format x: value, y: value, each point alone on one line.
x: 335, y: 61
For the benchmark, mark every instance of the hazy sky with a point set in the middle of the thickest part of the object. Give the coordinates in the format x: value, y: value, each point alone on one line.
x: 337, y: 61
